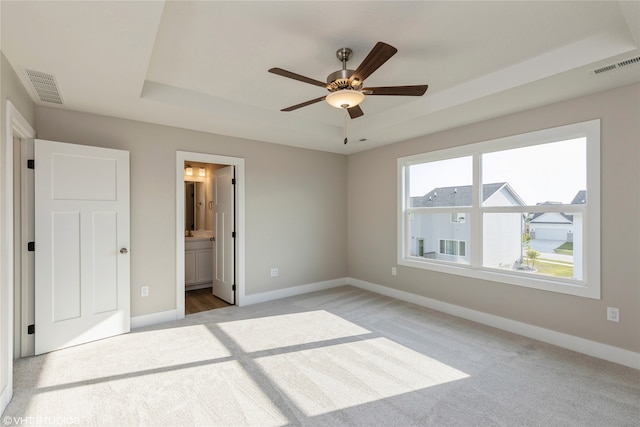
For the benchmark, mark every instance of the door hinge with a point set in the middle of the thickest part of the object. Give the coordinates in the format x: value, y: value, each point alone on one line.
x: 233, y: 288
x: 31, y: 329
x: 31, y: 164
x: 233, y: 181
x: 233, y: 234
x: 31, y: 246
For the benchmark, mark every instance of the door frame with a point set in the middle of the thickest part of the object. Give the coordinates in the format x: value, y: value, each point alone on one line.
x: 16, y: 126
x: 238, y: 162
x: 24, y: 262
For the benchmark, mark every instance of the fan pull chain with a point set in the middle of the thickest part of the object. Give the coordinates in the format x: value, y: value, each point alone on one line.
x: 346, y: 121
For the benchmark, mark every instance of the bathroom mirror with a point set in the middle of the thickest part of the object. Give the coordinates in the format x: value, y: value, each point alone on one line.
x: 194, y: 205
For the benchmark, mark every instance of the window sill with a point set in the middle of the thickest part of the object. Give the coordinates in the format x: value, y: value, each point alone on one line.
x: 544, y: 283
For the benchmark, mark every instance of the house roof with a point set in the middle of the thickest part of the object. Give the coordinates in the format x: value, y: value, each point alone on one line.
x: 539, y: 218
x: 457, y: 195
x: 579, y: 199
x: 535, y: 217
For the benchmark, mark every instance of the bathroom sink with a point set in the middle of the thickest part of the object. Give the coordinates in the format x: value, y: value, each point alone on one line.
x: 200, y: 234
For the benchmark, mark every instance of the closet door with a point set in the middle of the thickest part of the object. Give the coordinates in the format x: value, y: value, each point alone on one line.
x: 81, y: 249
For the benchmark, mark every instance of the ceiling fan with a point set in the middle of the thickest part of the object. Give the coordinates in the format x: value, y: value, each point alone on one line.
x: 346, y: 86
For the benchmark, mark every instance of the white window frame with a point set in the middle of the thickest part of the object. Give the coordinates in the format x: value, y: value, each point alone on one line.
x: 588, y: 286
x: 455, y: 218
x: 456, y: 244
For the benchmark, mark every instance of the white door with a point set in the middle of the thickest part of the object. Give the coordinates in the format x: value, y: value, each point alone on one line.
x: 224, y: 254
x: 81, y: 247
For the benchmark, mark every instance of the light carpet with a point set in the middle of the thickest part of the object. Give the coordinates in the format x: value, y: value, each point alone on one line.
x: 341, y: 357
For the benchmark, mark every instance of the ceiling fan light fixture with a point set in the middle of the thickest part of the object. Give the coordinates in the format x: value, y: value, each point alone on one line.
x: 345, y: 98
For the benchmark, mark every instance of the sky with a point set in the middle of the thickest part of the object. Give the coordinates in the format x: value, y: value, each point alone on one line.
x: 546, y: 172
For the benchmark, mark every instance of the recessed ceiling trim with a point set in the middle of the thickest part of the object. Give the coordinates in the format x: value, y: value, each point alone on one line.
x: 45, y: 86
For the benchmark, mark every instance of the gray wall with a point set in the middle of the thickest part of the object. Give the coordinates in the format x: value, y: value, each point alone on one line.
x: 296, y: 203
x: 300, y: 212
x: 372, y: 223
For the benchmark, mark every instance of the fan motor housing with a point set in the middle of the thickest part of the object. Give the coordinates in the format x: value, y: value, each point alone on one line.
x: 339, y: 79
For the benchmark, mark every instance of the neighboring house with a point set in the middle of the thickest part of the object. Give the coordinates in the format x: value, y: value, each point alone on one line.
x: 580, y: 198
x: 551, y: 225
x: 555, y: 225
x: 445, y: 236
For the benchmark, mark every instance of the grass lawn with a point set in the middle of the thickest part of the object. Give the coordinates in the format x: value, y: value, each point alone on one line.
x: 566, y: 248
x: 554, y: 268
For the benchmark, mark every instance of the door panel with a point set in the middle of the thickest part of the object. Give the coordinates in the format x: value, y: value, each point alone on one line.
x: 81, y: 223
x: 224, y: 274
x: 65, y: 265
x: 204, y: 263
x: 99, y: 178
x: 105, y: 266
x: 189, y: 267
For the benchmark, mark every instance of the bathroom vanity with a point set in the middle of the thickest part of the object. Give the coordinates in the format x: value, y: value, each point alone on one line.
x: 198, y: 260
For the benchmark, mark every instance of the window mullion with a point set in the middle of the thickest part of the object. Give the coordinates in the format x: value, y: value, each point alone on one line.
x: 404, y: 214
x: 476, y: 214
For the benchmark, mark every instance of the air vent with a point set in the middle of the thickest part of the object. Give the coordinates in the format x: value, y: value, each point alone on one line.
x: 604, y: 69
x: 617, y: 65
x: 629, y: 61
x: 45, y: 86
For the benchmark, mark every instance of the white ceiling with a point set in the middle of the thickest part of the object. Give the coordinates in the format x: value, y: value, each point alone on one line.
x: 203, y: 65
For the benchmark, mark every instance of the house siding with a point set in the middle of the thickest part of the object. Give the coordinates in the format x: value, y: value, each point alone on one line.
x: 504, y: 231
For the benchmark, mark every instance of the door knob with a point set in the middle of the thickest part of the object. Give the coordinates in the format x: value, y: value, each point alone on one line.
x: 124, y: 251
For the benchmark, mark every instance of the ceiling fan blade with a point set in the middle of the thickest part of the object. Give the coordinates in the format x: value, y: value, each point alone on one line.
x: 417, y: 90
x: 294, y: 76
x: 380, y: 53
x: 355, y: 112
x: 304, y: 104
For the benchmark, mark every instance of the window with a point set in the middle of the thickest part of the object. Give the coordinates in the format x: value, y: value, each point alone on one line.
x: 522, y: 210
x: 452, y: 247
x: 457, y: 217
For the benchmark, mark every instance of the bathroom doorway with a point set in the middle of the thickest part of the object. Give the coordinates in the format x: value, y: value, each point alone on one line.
x: 198, y: 300
x: 210, y: 245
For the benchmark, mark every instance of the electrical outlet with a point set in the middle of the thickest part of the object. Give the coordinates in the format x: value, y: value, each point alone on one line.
x: 274, y: 272
x: 393, y: 271
x: 613, y: 314
x: 144, y: 291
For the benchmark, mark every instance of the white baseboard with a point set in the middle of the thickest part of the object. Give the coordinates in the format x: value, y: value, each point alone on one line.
x: 292, y: 291
x: 153, y: 318
x: 171, y: 315
x: 570, y: 342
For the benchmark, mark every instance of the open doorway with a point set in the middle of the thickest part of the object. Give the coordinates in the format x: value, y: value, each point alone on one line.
x: 203, y: 260
x: 209, y: 241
